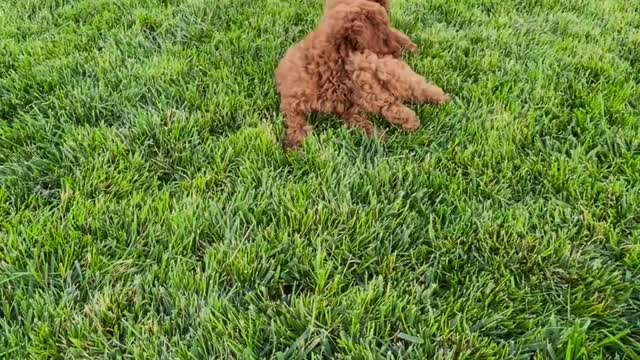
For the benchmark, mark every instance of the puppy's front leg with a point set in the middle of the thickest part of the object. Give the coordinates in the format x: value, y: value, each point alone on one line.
x: 403, y: 40
x: 297, y: 130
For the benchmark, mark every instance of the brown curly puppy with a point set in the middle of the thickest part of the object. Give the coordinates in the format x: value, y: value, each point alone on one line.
x: 349, y: 66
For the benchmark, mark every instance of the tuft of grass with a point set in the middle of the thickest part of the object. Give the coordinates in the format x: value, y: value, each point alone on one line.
x: 148, y: 211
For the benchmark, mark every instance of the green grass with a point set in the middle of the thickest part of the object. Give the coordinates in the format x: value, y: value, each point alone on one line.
x: 148, y: 211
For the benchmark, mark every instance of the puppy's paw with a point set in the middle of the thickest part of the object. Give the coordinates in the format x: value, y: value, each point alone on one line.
x: 378, y: 134
x: 411, y: 126
x: 295, y: 138
x: 441, y: 99
x: 411, y: 47
x: 432, y: 94
x: 291, y: 145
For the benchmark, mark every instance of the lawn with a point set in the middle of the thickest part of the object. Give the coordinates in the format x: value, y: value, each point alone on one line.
x: 147, y: 209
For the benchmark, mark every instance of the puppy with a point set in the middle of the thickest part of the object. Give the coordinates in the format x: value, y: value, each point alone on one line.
x: 350, y: 66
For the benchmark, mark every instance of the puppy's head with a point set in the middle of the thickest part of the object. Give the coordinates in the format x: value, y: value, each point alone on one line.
x: 332, y: 3
x: 362, y: 26
x: 385, y: 3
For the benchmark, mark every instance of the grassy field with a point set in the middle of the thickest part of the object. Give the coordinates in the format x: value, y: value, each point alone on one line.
x: 147, y: 209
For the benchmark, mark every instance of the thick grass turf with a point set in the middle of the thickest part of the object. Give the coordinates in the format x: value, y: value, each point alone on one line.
x: 147, y: 209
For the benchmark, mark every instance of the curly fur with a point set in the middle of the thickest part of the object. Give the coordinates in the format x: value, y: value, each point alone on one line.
x: 350, y: 66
